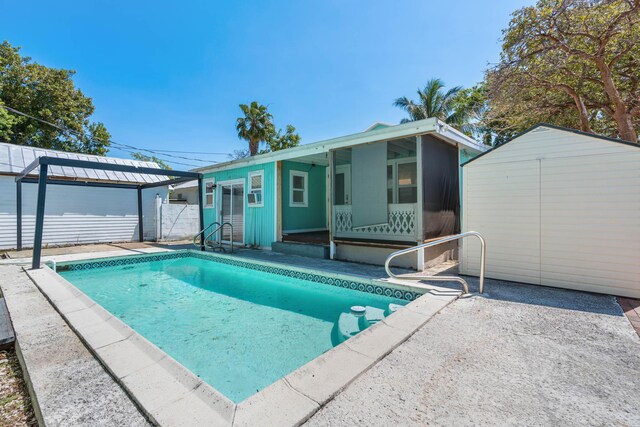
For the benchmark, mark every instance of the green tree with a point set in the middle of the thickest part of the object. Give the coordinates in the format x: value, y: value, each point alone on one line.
x: 281, y: 141
x: 434, y: 101
x: 573, y: 63
x: 256, y: 127
x: 146, y: 158
x: 48, y: 94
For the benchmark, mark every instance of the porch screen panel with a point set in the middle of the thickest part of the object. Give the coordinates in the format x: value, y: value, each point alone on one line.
x: 440, y: 188
x: 369, y: 185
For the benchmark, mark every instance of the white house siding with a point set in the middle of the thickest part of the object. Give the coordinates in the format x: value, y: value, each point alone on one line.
x: 557, y: 208
x: 77, y: 214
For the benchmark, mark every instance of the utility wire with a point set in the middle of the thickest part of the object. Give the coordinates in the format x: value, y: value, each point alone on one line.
x: 191, y: 152
x: 117, y: 145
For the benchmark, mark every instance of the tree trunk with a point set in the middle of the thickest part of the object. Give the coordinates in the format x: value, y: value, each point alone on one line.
x: 582, y: 109
x: 253, y: 147
x: 620, y: 114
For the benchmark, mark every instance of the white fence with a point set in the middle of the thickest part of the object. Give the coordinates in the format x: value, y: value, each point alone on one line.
x: 177, y: 222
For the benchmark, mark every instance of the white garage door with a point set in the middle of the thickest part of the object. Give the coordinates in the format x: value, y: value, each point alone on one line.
x: 571, y: 222
x: 590, y: 223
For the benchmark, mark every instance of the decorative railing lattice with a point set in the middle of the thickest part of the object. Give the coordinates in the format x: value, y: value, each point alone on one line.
x: 401, y: 224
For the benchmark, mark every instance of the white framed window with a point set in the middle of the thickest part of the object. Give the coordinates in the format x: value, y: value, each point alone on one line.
x: 298, y: 189
x: 209, y: 192
x: 402, y: 181
x: 256, y: 189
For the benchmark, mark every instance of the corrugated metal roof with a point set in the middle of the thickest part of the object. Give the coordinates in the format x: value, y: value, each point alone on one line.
x: 14, y: 158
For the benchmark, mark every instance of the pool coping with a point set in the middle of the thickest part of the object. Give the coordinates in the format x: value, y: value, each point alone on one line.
x: 170, y: 394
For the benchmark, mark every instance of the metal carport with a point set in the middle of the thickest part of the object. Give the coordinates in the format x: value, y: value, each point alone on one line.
x: 43, y: 163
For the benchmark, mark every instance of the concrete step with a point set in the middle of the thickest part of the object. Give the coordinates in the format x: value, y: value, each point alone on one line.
x: 310, y: 250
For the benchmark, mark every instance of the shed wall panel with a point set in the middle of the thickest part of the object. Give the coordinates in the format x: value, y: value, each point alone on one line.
x: 587, y: 212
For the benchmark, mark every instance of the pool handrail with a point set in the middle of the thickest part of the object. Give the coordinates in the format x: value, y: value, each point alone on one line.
x: 219, y: 228
x: 202, y: 232
x: 465, y: 285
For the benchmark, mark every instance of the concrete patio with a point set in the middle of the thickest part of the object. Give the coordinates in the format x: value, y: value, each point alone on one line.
x: 518, y: 354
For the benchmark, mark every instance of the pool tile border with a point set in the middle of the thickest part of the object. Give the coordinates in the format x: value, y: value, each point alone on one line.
x: 292, y: 400
x: 342, y: 281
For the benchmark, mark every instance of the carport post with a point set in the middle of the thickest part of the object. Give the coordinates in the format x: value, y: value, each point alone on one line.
x: 37, y: 238
x: 140, y: 230
x: 19, y: 215
x: 201, y: 211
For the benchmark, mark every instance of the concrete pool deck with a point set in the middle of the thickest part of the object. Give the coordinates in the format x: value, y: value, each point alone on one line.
x: 519, y: 354
x: 68, y: 386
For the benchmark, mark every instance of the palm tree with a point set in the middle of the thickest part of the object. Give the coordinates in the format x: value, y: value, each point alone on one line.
x: 256, y: 126
x: 433, y: 101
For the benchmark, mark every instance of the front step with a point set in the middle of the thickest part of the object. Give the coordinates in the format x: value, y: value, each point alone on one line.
x: 309, y: 250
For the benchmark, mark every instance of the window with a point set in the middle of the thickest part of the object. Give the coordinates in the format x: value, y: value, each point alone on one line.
x: 407, y: 183
x: 209, y: 191
x: 254, y: 195
x: 402, y: 181
x: 298, y: 193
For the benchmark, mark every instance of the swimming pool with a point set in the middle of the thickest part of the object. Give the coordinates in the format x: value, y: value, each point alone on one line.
x: 238, y: 325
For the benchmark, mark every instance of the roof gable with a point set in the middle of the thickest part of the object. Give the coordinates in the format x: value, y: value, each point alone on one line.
x: 577, y: 137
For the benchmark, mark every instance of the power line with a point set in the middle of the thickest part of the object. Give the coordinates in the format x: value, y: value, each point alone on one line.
x: 191, y: 152
x: 117, y: 145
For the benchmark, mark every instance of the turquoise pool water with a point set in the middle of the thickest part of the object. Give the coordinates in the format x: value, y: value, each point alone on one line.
x: 237, y: 329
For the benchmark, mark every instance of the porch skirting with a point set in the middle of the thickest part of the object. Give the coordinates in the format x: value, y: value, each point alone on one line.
x: 376, y: 254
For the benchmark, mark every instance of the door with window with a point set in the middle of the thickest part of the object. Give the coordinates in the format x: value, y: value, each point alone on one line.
x: 402, y: 182
x: 232, y: 210
x: 342, y: 185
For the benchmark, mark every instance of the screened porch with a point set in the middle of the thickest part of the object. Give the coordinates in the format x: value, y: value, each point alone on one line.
x: 403, y: 190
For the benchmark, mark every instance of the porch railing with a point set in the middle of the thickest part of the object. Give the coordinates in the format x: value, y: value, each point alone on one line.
x: 401, y: 225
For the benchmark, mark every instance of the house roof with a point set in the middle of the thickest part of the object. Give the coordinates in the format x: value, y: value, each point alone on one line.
x: 317, y: 150
x: 378, y: 125
x: 186, y: 185
x: 555, y: 127
x: 14, y: 158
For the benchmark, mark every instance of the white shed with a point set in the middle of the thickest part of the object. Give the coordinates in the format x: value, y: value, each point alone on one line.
x: 558, y: 208
x: 76, y: 214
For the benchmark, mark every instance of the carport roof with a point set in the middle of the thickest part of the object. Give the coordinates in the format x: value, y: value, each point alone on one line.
x: 14, y: 158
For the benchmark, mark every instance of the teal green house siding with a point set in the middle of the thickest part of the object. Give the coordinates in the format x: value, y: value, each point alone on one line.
x: 313, y: 216
x: 259, y: 222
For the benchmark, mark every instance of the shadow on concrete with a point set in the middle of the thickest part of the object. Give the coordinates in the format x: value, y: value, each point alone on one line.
x: 546, y: 296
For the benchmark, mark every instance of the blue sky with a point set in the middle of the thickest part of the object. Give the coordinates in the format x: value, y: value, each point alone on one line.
x: 170, y: 75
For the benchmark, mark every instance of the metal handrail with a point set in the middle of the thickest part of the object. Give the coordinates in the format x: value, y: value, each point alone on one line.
x: 465, y: 285
x: 220, y: 227
x: 202, y: 232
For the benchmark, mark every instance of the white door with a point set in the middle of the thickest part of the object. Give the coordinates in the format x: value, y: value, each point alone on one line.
x: 590, y: 226
x: 343, y: 185
x: 232, y: 210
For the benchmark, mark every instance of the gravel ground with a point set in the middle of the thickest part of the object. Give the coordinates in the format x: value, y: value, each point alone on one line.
x: 518, y: 355
x: 15, y: 404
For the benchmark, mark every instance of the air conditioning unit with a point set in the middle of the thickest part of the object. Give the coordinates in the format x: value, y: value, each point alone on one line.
x: 254, y: 198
